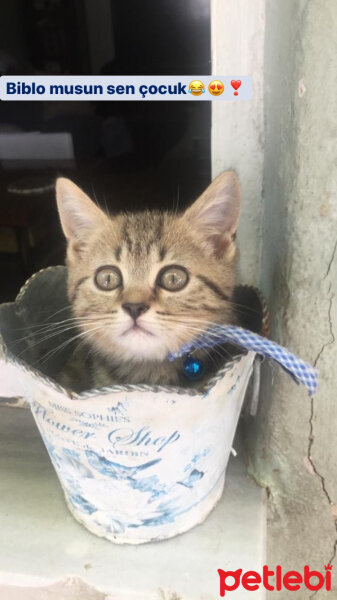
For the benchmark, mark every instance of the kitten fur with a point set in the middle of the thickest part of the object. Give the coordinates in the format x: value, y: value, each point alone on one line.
x: 201, y: 240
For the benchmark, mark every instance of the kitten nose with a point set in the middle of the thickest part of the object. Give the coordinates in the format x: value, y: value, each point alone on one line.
x: 135, y: 309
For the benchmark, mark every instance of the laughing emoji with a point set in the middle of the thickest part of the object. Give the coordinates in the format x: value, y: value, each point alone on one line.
x: 216, y: 87
x: 196, y: 88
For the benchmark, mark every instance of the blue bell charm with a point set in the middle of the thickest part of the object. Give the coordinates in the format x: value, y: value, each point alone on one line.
x: 193, y: 368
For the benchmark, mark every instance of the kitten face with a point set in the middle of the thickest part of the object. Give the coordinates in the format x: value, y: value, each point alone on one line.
x: 142, y: 285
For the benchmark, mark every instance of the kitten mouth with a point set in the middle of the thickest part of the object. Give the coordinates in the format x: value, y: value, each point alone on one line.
x: 137, y: 328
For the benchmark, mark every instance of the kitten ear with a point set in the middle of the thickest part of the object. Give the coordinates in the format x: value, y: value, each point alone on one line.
x: 78, y: 214
x: 216, y: 213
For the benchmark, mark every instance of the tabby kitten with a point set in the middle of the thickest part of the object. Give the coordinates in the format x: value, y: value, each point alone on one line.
x: 143, y: 284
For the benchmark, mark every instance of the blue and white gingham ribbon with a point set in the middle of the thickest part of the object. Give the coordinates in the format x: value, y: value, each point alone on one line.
x: 300, y: 371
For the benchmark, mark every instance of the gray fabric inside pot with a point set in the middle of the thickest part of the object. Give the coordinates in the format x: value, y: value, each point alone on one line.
x: 43, y: 302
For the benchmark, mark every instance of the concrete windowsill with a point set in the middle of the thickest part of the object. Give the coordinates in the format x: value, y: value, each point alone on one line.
x: 42, y: 544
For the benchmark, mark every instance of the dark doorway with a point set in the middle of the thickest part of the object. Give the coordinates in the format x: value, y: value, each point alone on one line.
x: 129, y: 155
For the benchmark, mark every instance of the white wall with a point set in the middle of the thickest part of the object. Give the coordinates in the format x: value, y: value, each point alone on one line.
x: 237, y: 127
x: 294, y: 437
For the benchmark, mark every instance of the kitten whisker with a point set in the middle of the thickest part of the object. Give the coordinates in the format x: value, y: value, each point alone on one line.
x: 43, y: 336
x: 247, y: 308
x: 49, y: 317
x: 65, y: 344
x: 203, y: 329
x: 46, y: 338
x: 196, y: 331
x: 54, y: 328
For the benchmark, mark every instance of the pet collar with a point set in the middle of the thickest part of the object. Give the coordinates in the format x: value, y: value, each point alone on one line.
x: 299, y: 370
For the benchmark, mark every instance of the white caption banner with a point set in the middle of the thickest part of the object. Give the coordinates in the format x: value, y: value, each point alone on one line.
x: 74, y: 87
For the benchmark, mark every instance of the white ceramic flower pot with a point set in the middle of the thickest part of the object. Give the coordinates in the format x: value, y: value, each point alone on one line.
x: 136, y: 463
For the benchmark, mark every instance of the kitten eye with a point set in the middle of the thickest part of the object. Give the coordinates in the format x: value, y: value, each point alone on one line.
x: 108, y: 278
x: 172, y: 278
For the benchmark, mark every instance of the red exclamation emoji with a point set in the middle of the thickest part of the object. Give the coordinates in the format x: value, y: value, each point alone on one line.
x: 235, y: 83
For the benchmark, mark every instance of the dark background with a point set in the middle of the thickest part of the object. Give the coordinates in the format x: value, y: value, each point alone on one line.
x: 129, y: 155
